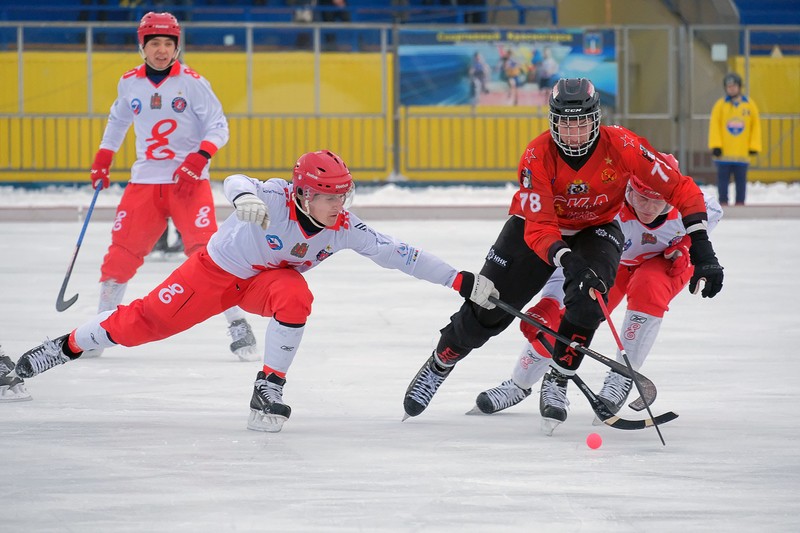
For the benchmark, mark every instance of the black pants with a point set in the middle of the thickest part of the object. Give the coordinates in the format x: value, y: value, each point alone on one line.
x: 519, y: 274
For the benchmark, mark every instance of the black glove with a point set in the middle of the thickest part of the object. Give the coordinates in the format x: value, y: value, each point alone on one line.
x: 706, y: 266
x: 716, y: 152
x: 576, y: 267
x: 753, y: 153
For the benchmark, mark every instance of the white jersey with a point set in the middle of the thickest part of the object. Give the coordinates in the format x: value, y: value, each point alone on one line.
x: 244, y: 249
x: 170, y: 121
x: 642, y: 242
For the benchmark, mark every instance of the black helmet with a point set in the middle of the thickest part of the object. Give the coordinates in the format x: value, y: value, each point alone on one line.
x: 574, y: 104
x: 731, y: 77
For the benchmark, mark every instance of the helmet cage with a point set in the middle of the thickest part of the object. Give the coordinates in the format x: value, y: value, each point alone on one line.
x: 574, y: 115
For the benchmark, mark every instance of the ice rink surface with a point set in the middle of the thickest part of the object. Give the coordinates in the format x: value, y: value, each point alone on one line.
x: 153, y: 438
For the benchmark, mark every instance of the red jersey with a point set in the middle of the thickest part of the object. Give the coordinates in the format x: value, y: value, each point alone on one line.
x: 556, y: 199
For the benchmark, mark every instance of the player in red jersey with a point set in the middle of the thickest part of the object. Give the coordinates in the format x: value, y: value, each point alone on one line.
x: 572, y: 185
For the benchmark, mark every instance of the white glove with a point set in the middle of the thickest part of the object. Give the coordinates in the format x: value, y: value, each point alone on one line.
x: 478, y: 288
x: 250, y: 208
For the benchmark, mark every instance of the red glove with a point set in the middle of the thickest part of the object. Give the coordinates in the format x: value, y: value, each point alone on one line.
x: 189, y: 174
x: 547, y: 312
x: 100, y: 173
x: 679, y: 254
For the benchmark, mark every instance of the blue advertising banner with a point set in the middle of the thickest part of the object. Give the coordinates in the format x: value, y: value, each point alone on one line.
x: 502, y: 67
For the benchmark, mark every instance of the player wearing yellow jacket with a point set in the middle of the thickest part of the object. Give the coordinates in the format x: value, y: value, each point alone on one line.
x: 734, y: 135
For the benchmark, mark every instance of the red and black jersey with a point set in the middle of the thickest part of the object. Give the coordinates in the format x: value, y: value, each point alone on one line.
x: 556, y: 199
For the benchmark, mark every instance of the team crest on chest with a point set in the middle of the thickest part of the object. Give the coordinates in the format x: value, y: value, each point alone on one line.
x: 608, y: 175
x: 324, y: 253
x: 274, y: 242
x: 648, y: 238
x: 578, y: 187
x: 179, y: 104
x: 300, y: 249
x: 155, y: 101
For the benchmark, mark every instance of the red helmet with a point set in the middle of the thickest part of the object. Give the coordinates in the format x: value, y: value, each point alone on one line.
x: 159, y: 24
x: 321, y: 172
x: 646, y: 202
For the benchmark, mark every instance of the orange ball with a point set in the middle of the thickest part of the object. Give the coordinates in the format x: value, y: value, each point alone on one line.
x: 594, y: 441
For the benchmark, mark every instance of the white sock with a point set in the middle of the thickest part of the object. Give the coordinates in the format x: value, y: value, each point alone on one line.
x: 234, y: 313
x: 529, y: 368
x: 638, y: 334
x: 280, y: 345
x: 91, y: 336
x: 111, y: 295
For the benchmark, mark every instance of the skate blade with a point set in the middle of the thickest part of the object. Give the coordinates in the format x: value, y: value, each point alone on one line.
x: 476, y: 411
x: 248, y: 354
x: 14, y: 394
x: 549, y: 425
x: 259, y: 421
x: 91, y: 354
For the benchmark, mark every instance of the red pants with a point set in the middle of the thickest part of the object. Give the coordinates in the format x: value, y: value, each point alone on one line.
x: 142, y: 218
x: 648, y: 286
x: 198, y: 290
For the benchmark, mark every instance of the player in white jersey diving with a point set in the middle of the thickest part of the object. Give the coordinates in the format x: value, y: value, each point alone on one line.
x: 654, y: 268
x: 179, y: 125
x: 255, y: 260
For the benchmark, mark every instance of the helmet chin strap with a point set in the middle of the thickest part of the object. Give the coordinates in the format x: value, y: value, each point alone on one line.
x: 302, y: 204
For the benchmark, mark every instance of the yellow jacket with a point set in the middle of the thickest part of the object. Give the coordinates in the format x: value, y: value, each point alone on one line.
x: 735, y: 128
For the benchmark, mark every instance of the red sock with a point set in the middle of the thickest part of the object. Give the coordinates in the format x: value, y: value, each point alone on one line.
x: 268, y: 371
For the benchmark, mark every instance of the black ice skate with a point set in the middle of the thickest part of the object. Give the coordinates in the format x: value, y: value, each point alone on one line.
x: 12, y: 388
x: 244, y: 342
x: 424, y: 385
x: 43, y: 357
x: 267, y: 410
x: 615, y: 391
x: 553, y: 400
x: 496, y: 399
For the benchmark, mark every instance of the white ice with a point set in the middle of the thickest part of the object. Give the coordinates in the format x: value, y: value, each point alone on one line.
x: 153, y: 438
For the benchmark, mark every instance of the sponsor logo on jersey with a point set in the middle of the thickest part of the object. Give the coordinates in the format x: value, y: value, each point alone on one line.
x: 578, y: 187
x: 649, y: 238
x: 300, y: 249
x: 735, y: 126
x: 274, y: 242
x: 627, y: 245
x: 136, y: 106
x: 600, y: 232
x: 167, y: 294
x: 324, y: 254
x: 494, y: 258
x: 179, y: 104
x: 608, y: 175
x: 525, y: 178
x: 155, y: 101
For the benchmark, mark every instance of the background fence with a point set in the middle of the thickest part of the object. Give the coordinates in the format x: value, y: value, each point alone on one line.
x: 289, y: 88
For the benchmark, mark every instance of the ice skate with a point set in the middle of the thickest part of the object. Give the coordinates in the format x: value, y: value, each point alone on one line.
x: 267, y: 410
x: 553, y: 401
x: 12, y: 388
x: 424, y: 385
x: 43, y: 357
x: 615, y: 391
x: 496, y: 399
x: 244, y: 342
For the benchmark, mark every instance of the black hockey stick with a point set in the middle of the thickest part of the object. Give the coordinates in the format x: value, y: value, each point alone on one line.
x: 648, y: 391
x: 61, y: 304
x: 603, y: 413
x: 604, y: 307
